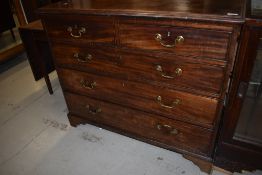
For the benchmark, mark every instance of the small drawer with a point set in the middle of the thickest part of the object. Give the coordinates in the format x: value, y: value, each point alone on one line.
x: 80, y: 28
x: 161, y: 101
x: 173, y: 133
x: 177, y: 40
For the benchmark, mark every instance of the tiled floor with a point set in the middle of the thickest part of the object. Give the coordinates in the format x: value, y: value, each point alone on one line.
x: 36, y: 139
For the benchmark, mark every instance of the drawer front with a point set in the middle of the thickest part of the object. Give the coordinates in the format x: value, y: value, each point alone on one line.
x: 181, y: 41
x: 170, y: 132
x: 171, y: 70
x: 176, y: 71
x: 84, y: 57
x: 170, y: 103
x: 80, y: 28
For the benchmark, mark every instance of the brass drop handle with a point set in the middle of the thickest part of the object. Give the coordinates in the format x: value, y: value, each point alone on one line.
x: 93, y: 111
x: 79, y: 31
x: 167, y: 128
x: 178, y: 40
x: 178, y: 72
x: 82, y: 59
x: 172, y: 105
x: 88, y: 85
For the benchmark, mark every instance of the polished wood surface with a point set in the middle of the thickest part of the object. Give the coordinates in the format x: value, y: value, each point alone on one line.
x: 35, y: 25
x: 206, y: 10
x: 75, y: 56
x: 143, y: 68
x: 112, y: 64
x: 192, y: 108
x: 197, y: 42
x: 163, y: 68
x: 188, y: 137
x: 97, y: 28
x: 204, y: 163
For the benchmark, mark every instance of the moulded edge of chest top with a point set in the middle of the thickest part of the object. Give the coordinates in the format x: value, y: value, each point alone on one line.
x: 219, y: 26
x: 161, y: 21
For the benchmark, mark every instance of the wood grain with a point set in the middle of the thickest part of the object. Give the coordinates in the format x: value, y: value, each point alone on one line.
x: 194, y: 109
x: 139, y: 67
x: 197, y: 43
x: 97, y: 28
x: 121, y: 39
x: 189, y: 137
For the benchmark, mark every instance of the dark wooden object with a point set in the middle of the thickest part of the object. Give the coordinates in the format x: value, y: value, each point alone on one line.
x: 37, y: 48
x: 29, y: 9
x: 155, y: 71
x: 7, y: 21
x: 234, y: 154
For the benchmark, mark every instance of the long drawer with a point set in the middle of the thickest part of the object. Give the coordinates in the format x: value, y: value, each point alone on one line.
x: 86, y: 57
x: 80, y: 28
x: 166, y: 102
x: 170, y: 132
x: 178, y: 40
x: 175, y: 71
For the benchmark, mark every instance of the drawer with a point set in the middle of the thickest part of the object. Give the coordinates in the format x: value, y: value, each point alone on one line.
x: 80, y: 28
x: 176, y: 71
x: 172, y: 71
x: 169, y: 132
x: 84, y: 57
x: 181, y: 41
x: 166, y: 102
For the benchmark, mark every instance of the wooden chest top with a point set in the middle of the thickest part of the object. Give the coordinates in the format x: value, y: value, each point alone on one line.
x: 205, y: 10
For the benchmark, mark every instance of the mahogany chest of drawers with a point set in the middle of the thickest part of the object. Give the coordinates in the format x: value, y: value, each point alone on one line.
x: 157, y: 71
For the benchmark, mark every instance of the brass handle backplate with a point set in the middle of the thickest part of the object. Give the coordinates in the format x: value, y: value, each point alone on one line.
x: 167, y: 128
x: 93, y: 111
x: 82, y: 59
x: 78, y: 31
x: 172, y: 105
x: 178, y: 40
x: 178, y: 72
x: 88, y: 85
